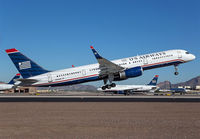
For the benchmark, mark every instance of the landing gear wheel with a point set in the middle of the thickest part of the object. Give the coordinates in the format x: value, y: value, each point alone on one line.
x: 176, y: 73
x: 113, y: 85
x: 103, y: 87
x: 108, y: 86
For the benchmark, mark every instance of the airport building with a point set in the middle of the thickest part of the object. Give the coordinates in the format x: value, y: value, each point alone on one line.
x: 190, y: 87
x: 187, y: 87
x: 22, y: 90
x: 198, y: 87
x: 180, y: 86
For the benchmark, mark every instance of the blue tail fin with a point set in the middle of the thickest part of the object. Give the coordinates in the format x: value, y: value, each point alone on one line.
x: 154, y: 81
x: 26, y: 67
x: 16, y: 77
x: 96, y: 54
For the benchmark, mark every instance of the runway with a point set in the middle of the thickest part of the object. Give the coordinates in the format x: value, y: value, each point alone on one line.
x: 113, y: 120
x: 99, y: 98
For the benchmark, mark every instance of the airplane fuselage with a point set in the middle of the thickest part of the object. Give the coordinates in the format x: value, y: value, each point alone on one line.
x: 134, y: 88
x: 91, y: 72
x: 4, y: 87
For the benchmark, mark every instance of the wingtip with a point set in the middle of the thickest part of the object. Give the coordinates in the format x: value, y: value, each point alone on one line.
x: 157, y: 76
x: 12, y: 50
x: 91, y: 47
x: 18, y: 74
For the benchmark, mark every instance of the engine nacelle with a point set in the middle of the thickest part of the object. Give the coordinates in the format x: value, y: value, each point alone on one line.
x: 129, y: 73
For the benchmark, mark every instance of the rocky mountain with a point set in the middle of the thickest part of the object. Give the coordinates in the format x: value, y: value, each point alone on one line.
x: 164, y: 85
x: 192, y: 82
x: 72, y: 88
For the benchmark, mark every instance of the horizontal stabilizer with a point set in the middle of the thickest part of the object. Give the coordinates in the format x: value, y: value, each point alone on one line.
x: 25, y: 82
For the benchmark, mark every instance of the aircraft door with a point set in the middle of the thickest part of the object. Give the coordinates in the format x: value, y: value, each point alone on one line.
x: 83, y: 72
x: 145, y: 61
x: 179, y: 54
x: 49, y: 78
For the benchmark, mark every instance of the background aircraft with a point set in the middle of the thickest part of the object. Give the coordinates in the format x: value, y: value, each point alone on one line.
x: 178, y: 90
x: 175, y: 90
x: 126, y: 89
x: 9, y: 85
x: 116, y: 70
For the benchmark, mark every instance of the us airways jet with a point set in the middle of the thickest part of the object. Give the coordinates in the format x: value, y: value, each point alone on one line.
x: 126, y: 89
x: 121, y: 69
x: 9, y: 85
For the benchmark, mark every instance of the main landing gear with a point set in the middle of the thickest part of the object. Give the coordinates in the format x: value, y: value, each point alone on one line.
x: 176, y: 70
x: 108, y: 86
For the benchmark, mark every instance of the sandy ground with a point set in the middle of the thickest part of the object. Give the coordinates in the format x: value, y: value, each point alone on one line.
x: 100, y: 120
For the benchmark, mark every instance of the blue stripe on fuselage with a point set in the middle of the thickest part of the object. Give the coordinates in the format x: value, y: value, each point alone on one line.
x: 96, y: 78
x: 162, y: 65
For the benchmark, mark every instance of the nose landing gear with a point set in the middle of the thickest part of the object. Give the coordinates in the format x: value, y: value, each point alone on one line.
x: 176, y: 73
x: 176, y: 70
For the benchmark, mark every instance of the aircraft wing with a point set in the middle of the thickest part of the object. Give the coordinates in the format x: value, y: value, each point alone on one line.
x: 25, y: 82
x: 106, y: 67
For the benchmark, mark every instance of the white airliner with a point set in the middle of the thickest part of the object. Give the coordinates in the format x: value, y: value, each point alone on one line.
x: 9, y: 85
x: 121, y: 69
x: 126, y: 89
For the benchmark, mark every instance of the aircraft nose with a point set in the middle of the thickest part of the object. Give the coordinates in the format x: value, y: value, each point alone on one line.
x: 193, y: 57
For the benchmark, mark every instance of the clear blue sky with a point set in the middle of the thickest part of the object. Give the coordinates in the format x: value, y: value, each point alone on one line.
x: 58, y: 33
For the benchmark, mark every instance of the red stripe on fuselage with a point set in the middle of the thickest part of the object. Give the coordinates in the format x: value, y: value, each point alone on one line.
x: 68, y: 80
x: 163, y: 62
x: 97, y: 74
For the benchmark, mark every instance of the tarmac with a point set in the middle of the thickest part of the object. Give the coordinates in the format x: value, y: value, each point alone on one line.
x: 97, y: 120
x: 99, y: 98
x: 94, y: 116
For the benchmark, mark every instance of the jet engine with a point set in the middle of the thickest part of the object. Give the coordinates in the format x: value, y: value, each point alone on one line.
x: 128, y: 73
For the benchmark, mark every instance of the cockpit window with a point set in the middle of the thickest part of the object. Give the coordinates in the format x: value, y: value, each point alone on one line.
x: 187, y: 52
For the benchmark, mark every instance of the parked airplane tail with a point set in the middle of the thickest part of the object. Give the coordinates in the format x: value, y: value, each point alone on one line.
x: 15, y: 77
x: 26, y: 67
x: 154, y: 81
